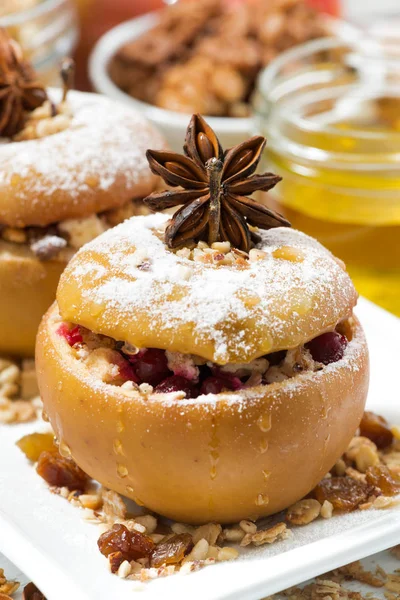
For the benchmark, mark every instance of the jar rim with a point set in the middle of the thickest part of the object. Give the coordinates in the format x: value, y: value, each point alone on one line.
x: 29, y: 14
x: 292, y: 91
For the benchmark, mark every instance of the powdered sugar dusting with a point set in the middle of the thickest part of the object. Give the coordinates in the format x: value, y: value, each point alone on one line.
x: 105, y: 139
x: 222, y: 313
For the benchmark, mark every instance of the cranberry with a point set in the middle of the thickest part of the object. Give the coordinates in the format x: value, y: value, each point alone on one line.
x: 213, y: 385
x: 176, y: 383
x: 328, y: 347
x: 152, y: 366
x: 229, y: 380
x: 126, y: 371
x: 73, y: 336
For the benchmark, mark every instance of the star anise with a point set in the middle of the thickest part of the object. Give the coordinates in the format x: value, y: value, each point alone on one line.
x: 214, y: 200
x: 19, y: 90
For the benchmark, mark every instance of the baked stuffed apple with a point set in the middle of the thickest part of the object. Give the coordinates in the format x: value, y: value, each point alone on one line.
x: 208, y: 366
x: 72, y: 165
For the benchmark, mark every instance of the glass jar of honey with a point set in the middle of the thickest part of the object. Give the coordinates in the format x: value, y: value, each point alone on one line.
x: 331, y: 114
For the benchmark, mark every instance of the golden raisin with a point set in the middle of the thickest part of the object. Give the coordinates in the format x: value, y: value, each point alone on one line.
x: 60, y: 471
x: 381, y: 477
x: 31, y: 592
x: 344, y: 493
x: 130, y: 545
x: 34, y: 444
x: 377, y: 429
x: 172, y: 551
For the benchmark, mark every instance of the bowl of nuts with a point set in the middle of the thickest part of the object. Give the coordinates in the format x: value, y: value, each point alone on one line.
x: 202, y: 57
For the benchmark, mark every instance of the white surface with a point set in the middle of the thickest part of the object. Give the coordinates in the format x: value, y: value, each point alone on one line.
x: 230, y: 130
x: 48, y: 539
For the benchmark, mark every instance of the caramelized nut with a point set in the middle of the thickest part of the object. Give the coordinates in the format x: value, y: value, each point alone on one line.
x: 289, y: 253
x: 303, y: 512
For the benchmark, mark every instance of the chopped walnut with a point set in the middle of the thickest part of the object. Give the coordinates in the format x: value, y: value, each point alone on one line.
x: 303, y: 512
x: 44, y: 121
x: 210, y: 55
x: 18, y: 391
x: 113, y: 505
x: 356, y: 571
x: 14, y: 235
x: 8, y: 587
x: 209, y: 532
x: 266, y: 536
x: 82, y: 231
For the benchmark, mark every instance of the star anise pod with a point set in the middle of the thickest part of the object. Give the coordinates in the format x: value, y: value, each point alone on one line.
x: 214, y: 200
x: 19, y: 90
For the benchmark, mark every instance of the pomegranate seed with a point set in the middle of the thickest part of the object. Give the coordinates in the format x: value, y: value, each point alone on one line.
x: 328, y: 347
x: 73, y: 336
x: 152, y: 366
x: 176, y: 383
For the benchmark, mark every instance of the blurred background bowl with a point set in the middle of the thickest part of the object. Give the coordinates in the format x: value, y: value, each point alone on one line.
x: 173, y: 124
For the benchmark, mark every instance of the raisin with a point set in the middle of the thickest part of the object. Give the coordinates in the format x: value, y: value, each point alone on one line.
x: 381, y: 477
x: 344, y: 493
x: 31, y: 592
x: 172, y: 551
x: 33, y: 444
x: 130, y: 544
x: 376, y: 428
x: 60, y: 471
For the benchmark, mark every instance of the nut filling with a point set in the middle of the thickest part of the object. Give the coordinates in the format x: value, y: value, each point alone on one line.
x: 53, y: 241
x: 162, y: 371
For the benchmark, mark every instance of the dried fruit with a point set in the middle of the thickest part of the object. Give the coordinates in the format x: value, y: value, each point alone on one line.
x: 172, y: 551
x: 381, y: 477
x: 60, y: 471
x: 377, y: 429
x: 31, y: 592
x: 73, y: 336
x: 175, y: 383
x: 328, y: 347
x: 33, y: 444
x: 130, y: 544
x: 151, y: 367
x: 344, y: 493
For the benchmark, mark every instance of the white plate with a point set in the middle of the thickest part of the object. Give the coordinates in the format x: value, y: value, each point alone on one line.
x: 48, y: 539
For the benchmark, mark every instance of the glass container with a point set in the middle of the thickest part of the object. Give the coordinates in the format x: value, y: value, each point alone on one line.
x: 331, y: 114
x: 46, y: 29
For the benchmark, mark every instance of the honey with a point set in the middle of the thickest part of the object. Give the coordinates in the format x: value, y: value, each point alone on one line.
x: 333, y: 129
